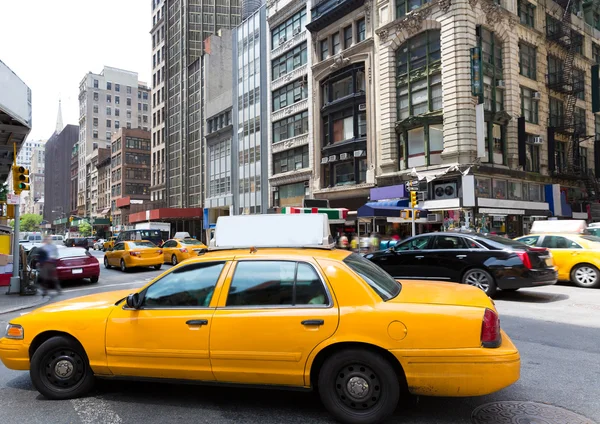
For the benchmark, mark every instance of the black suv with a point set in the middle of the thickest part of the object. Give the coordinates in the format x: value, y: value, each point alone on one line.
x: 77, y: 242
x: 487, y: 262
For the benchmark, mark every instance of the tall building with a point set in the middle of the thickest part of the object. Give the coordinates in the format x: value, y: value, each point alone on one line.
x: 57, y: 184
x: 218, y: 126
x: 112, y: 99
x: 250, y: 119
x: 27, y: 151
x: 159, y: 175
x: 188, y: 24
x: 130, y: 173
x: 104, y: 171
x: 37, y: 178
x: 291, y: 150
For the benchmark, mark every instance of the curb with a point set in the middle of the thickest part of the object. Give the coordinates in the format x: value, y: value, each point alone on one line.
x: 20, y: 308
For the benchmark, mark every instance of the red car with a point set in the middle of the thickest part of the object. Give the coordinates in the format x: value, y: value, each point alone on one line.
x: 75, y: 263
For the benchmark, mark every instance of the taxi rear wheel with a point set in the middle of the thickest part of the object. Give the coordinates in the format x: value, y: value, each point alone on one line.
x: 106, y: 264
x: 123, y: 266
x: 157, y: 267
x: 60, y: 369
x: 584, y: 275
x: 174, y: 260
x: 359, y: 387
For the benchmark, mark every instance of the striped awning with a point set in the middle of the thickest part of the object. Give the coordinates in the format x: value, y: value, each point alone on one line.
x: 332, y: 214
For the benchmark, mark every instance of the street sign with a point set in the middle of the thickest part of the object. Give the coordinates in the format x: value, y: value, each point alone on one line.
x: 409, y: 184
x: 12, y: 199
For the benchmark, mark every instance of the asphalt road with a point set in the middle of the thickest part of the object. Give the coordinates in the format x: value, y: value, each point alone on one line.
x: 555, y: 328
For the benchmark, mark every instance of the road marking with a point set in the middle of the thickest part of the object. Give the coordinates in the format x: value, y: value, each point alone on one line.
x: 95, y: 411
x: 104, y: 285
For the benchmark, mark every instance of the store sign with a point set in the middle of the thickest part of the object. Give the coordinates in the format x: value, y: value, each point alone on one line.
x: 476, y: 72
x: 501, y: 212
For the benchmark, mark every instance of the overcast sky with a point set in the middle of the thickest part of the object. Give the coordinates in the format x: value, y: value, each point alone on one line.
x: 51, y: 45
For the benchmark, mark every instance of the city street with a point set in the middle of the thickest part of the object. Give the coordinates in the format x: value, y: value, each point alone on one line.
x: 555, y: 328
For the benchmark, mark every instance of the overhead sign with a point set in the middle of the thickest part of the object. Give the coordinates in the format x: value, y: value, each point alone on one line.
x: 12, y: 199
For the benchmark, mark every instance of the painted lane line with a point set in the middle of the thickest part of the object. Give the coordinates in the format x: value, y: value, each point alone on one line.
x: 95, y: 411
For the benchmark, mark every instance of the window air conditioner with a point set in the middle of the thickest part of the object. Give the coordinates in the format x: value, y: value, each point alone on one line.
x: 434, y: 217
x: 297, y: 30
x: 501, y: 84
x: 362, y: 107
x: 332, y: 158
x: 344, y: 156
x: 537, y: 95
x: 538, y: 140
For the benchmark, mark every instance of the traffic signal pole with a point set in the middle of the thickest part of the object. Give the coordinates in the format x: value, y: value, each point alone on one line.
x: 15, y: 280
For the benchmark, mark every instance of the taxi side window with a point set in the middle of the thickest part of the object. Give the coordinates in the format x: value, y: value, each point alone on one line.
x: 188, y: 286
x: 276, y: 283
x: 170, y: 243
x: 530, y: 241
x: 557, y: 242
x: 119, y: 246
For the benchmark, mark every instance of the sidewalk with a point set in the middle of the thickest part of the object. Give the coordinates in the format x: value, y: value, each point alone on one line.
x: 15, y: 302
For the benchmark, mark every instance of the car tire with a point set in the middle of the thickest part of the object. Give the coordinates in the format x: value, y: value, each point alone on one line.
x: 157, y: 267
x: 60, y: 369
x: 123, y: 266
x: 106, y: 264
x: 357, y: 386
x: 586, y: 276
x: 482, y: 279
x: 94, y: 279
x: 174, y: 260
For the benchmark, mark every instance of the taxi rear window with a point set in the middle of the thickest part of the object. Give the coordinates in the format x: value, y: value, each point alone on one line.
x: 379, y: 280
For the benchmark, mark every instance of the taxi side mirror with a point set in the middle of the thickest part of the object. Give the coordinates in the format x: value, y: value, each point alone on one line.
x: 202, y: 252
x: 133, y: 301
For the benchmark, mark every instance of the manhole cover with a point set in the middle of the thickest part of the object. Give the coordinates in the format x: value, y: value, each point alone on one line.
x: 525, y: 413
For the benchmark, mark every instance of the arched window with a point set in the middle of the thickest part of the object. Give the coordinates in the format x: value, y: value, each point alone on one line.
x: 418, y: 75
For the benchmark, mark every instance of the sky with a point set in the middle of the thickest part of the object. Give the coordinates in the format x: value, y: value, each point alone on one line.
x: 51, y: 45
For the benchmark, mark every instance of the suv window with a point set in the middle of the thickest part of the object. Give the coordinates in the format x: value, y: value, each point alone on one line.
x: 417, y: 243
x: 276, y: 283
x: 189, y: 286
x: 379, y: 280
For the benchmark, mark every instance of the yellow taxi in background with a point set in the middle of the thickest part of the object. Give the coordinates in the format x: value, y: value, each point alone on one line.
x: 178, y: 250
x: 577, y: 256
x: 132, y: 254
x: 109, y: 244
x: 301, y: 315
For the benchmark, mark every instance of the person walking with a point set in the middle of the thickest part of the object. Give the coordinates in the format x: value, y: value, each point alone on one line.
x: 47, y: 266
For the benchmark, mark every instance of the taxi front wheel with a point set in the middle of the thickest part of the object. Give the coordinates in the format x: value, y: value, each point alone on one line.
x: 359, y: 387
x: 60, y: 369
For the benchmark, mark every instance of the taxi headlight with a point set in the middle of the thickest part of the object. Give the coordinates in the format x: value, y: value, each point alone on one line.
x: 14, y: 331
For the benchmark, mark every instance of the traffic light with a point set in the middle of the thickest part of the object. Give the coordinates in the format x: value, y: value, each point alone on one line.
x: 413, y: 199
x: 20, y: 179
x: 70, y: 219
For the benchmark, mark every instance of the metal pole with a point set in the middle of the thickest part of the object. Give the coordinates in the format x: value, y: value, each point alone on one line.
x: 412, y: 215
x: 15, y: 281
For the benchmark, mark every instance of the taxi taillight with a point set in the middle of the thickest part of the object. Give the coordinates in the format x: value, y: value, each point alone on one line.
x: 183, y: 250
x: 138, y: 254
x: 490, y: 329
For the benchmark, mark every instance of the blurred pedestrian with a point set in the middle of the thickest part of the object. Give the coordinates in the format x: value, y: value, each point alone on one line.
x: 354, y: 243
x: 47, y: 266
x: 343, y: 242
x: 374, y: 242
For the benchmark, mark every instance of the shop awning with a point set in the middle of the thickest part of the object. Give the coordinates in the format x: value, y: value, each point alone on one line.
x: 339, y: 214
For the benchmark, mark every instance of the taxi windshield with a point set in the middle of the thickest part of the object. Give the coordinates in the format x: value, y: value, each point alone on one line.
x: 594, y: 239
x: 138, y: 244
x: 190, y: 241
x: 379, y: 280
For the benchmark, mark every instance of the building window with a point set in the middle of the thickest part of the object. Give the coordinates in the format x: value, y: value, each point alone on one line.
x: 108, y: 85
x: 95, y: 83
x: 335, y: 43
x: 289, y: 94
x: 117, y: 100
x: 117, y: 125
x: 117, y: 112
x: 360, y: 30
x: 583, y: 159
x: 532, y: 154
x: 553, y: 26
x: 416, y: 141
x: 128, y: 90
x: 292, y: 126
x: 526, y: 13
x: 95, y: 108
x: 596, y: 52
x: 491, y: 48
x: 108, y: 98
x: 286, y: 30
x: 117, y: 87
x: 290, y: 160
x: 108, y: 135
x: 577, y: 40
x: 579, y: 83
x: 324, y: 48
x: 108, y: 111
x: 128, y: 101
x: 555, y: 70
x: 95, y: 122
x: 108, y: 123
x: 290, y: 194
x: 527, y: 60
x: 95, y: 96
x: 529, y: 105
x: 579, y: 121
x: 418, y: 73
x: 405, y: 6
x: 561, y: 156
x: 348, y: 36
x: 556, y: 109
x: 95, y: 134
x: 219, y: 168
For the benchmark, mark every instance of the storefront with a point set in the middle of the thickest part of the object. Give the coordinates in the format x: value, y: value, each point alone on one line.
x: 338, y: 219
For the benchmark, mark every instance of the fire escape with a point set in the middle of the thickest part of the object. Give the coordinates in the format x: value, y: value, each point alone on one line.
x: 563, y: 80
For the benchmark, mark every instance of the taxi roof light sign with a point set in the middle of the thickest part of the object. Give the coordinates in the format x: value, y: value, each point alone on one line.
x: 272, y: 230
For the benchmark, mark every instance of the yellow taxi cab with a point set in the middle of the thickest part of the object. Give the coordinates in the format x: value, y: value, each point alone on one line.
x: 109, y: 244
x: 577, y: 256
x: 132, y: 254
x: 299, y: 315
x: 178, y: 250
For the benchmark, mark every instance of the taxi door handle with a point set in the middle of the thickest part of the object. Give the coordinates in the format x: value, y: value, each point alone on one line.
x: 197, y: 322
x: 313, y: 322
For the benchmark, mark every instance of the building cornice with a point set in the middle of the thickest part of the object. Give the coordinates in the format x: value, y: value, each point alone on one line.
x: 290, y: 110
x: 280, y: 15
x: 291, y: 177
x: 290, y: 143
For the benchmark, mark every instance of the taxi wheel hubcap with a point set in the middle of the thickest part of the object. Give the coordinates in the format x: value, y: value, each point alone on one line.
x: 478, y: 279
x: 64, y: 368
x: 123, y: 265
x: 358, y: 386
x: 174, y: 260
x: 585, y: 275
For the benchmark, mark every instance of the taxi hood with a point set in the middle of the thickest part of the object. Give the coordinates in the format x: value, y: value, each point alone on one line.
x: 93, y: 301
x: 441, y: 293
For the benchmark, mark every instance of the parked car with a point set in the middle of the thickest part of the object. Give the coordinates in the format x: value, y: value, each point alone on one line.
x: 91, y: 241
x: 300, y: 315
x: 577, y: 256
x: 132, y: 254
x: 58, y: 239
x: 77, y: 242
x: 487, y: 262
x: 176, y: 251
x: 73, y: 263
